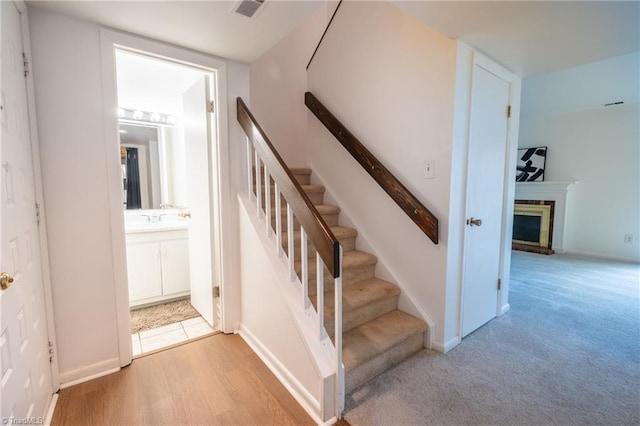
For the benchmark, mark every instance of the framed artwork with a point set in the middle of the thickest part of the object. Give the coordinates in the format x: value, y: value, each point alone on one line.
x: 531, y: 163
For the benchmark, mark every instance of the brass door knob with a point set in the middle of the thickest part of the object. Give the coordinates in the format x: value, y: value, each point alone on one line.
x: 472, y: 221
x: 5, y: 280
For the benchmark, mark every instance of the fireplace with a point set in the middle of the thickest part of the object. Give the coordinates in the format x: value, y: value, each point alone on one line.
x: 533, y: 226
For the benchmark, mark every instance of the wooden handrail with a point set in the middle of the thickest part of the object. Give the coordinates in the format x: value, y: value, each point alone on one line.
x: 422, y: 217
x: 325, y: 243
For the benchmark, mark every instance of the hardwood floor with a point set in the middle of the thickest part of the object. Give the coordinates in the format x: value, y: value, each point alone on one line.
x: 217, y: 380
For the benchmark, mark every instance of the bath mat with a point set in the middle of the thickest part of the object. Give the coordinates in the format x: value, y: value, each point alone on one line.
x: 159, y: 315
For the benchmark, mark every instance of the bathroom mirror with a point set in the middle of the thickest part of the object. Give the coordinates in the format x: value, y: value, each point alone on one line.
x: 153, y: 170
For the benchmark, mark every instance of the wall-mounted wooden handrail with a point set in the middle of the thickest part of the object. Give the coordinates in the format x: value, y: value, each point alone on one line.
x: 325, y: 243
x: 422, y: 217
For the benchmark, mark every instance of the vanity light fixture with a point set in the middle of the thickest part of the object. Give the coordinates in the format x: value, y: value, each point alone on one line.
x: 140, y: 116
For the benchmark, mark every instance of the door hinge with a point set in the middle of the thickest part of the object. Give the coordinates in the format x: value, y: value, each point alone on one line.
x: 216, y: 291
x: 210, y: 107
x: 25, y: 62
x: 38, y: 214
x: 499, y: 284
x: 508, y: 111
x: 51, y: 352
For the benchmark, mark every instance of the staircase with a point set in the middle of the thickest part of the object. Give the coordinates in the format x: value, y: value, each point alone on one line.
x: 376, y: 335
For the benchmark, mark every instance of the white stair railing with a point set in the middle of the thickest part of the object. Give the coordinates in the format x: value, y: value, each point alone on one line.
x: 265, y: 165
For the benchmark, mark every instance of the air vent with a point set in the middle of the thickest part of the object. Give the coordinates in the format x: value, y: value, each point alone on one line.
x: 247, y: 8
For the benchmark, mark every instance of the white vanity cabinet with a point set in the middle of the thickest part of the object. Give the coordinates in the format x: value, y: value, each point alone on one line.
x: 157, y: 265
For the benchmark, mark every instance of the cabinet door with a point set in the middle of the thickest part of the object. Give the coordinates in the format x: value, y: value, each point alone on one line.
x: 143, y: 270
x: 175, y: 266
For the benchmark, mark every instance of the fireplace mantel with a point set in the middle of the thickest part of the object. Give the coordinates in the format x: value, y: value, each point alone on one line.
x: 549, y: 191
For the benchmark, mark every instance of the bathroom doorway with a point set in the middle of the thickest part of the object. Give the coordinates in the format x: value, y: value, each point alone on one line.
x: 165, y: 130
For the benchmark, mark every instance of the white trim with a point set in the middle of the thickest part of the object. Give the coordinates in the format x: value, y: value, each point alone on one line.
x: 39, y: 194
x: 446, y: 347
x: 51, y: 409
x: 602, y: 256
x: 110, y: 40
x: 504, y: 309
x: 295, y: 388
x: 89, y: 372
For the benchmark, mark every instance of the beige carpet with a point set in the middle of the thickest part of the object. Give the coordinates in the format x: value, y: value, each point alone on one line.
x: 567, y: 353
x: 159, y: 315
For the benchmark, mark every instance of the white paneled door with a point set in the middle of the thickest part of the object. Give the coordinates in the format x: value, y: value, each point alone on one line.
x: 199, y: 157
x: 26, y: 380
x: 485, y: 189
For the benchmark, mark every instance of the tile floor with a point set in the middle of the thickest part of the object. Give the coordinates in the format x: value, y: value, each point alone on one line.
x: 156, y: 338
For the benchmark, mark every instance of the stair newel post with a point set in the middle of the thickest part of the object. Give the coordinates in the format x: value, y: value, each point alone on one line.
x: 267, y: 199
x: 250, y: 169
x: 258, y: 183
x: 320, y: 295
x: 304, y: 261
x: 278, y: 213
x: 338, y: 335
x: 290, y: 247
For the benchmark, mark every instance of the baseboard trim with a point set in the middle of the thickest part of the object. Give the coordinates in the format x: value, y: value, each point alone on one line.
x: 446, y: 347
x: 295, y: 388
x: 89, y: 372
x: 505, y: 308
x: 51, y: 409
x: 603, y: 256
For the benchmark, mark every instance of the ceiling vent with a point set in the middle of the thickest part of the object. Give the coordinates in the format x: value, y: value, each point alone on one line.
x: 248, y: 8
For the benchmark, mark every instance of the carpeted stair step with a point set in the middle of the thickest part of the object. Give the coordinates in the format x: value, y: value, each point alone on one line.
x: 361, y: 302
x: 380, y: 344
x: 346, y: 236
x: 329, y: 213
x: 314, y: 192
x: 356, y: 266
x: 301, y: 174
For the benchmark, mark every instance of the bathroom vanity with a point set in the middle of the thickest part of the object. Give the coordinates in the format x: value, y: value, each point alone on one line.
x: 157, y: 257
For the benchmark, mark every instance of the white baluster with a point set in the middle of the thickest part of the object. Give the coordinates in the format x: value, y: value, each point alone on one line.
x: 278, y: 214
x: 338, y: 335
x: 292, y: 267
x: 320, y: 295
x: 249, y: 168
x: 258, y: 183
x: 305, y: 268
x: 267, y: 199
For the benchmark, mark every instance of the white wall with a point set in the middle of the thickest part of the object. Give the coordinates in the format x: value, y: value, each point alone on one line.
x: 390, y: 80
x: 273, y: 317
x: 595, y: 145
x: 278, y: 82
x: 69, y: 101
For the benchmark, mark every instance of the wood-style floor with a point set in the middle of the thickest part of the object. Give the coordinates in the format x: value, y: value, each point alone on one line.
x: 217, y: 380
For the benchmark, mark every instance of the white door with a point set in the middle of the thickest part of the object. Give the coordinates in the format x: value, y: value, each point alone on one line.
x: 25, y: 369
x: 199, y: 155
x: 485, y: 190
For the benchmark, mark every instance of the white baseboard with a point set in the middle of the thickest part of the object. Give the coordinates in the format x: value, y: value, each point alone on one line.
x: 603, y: 256
x: 89, y: 372
x: 310, y: 404
x: 51, y: 409
x: 505, y: 308
x: 446, y: 347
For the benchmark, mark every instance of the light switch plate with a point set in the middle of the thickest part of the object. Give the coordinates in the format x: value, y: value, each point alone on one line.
x: 429, y: 169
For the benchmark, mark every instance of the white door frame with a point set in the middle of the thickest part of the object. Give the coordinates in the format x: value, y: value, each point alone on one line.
x: 110, y: 40
x: 39, y: 194
x: 509, y: 183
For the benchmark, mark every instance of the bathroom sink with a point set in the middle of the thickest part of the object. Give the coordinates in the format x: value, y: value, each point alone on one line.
x: 136, y: 227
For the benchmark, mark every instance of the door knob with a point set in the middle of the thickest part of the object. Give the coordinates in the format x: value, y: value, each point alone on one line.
x: 472, y: 221
x: 5, y: 280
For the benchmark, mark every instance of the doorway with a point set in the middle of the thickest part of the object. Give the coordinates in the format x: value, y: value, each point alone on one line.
x: 167, y: 192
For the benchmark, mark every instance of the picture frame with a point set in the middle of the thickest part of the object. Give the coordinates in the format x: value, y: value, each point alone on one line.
x: 531, y: 164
